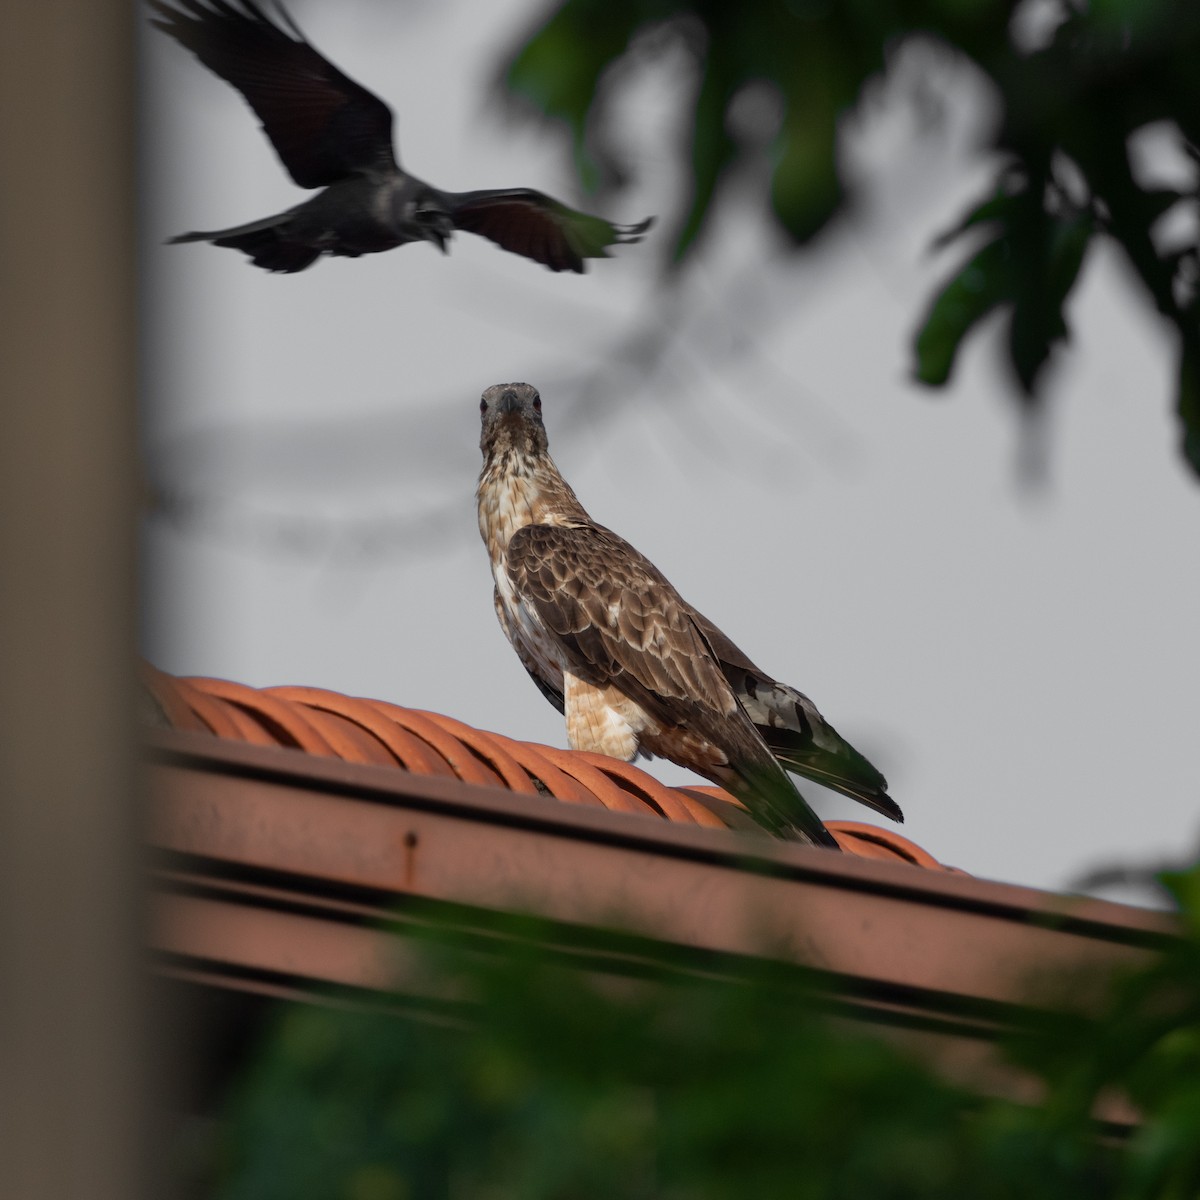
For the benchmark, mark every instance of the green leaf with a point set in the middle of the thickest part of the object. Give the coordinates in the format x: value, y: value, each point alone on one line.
x: 1184, y: 887
x: 1037, y: 320
x: 712, y: 147
x: 1031, y: 263
x: 559, y: 68
x: 1156, y: 201
x: 984, y: 283
x: 1188, y: 407
x: 805, y: 188
x: 996, y: 207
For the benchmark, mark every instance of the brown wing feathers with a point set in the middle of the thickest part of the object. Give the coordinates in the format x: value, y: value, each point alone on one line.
x: 796, y: 732
x: 621, y: 615
x: 537, y: 226
x: 521, y: 226
x: 620, y: 622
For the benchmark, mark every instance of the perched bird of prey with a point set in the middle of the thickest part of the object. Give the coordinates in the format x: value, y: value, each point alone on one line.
x: 632, y: 666
x: 331, y: 133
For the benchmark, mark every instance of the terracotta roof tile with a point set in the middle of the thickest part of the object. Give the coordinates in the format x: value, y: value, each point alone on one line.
x: 464, y: 763
x: 288, y: 724
x: 403, y: 748
x: 488, y: 750
x: 332, y: 725
x: 577, y: 783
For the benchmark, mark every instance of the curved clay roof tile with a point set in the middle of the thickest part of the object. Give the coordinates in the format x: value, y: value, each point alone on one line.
x: 288, y: 723
x: 594, y: 785
x: 330, y: 724
x: 488, y: 750
x: 403, y: 748
x: 669, y: 802
x: 464, y: 764
x: 222, y: 719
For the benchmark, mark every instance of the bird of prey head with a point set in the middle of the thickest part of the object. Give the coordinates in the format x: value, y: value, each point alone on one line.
x: 511, y: 417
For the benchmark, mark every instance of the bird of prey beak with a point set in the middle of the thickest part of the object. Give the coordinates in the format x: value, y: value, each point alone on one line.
x: 331, y: 133
x: 633, y: 667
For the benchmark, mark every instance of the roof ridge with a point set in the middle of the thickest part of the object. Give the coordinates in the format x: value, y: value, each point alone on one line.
x: 330, y: 724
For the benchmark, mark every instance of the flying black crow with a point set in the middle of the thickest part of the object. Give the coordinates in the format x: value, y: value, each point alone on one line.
x: 331, y: 133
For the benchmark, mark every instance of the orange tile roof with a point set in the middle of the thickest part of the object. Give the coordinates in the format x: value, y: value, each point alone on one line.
x: 333, y: 725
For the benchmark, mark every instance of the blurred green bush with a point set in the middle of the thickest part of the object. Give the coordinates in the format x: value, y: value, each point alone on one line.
x: 539, y: 1079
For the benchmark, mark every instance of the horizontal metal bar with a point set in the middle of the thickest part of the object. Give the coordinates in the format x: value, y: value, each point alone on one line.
x: 370, y: 836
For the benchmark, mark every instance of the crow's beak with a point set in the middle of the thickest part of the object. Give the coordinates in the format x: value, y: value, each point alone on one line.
x: 434, y: 227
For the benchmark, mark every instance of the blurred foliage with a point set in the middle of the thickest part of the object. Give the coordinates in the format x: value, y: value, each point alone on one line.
x: 534, y: 1078
x: 1074, y: 82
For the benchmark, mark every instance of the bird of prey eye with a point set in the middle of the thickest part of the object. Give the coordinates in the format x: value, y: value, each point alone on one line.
x: 633, y: 667
x: 331, y: 133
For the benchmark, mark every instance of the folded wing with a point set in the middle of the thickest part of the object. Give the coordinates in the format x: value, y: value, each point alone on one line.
x: 796, y: 732
x: 619, y: 622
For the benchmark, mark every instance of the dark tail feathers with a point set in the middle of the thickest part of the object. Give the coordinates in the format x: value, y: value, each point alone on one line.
x: 266, y: 242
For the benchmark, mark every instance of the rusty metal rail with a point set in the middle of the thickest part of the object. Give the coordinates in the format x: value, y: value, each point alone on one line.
x: 285, y: 874
x: 334, y: 845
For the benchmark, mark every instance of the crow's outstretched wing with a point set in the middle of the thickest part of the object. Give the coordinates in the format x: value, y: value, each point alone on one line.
x: 537, y: 226
x: 323, y: 125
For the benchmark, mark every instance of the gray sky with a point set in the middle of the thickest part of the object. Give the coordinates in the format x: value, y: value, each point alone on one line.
x: 1021, y: 664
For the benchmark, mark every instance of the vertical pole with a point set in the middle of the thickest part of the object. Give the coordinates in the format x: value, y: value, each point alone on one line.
x: 71, y: 992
